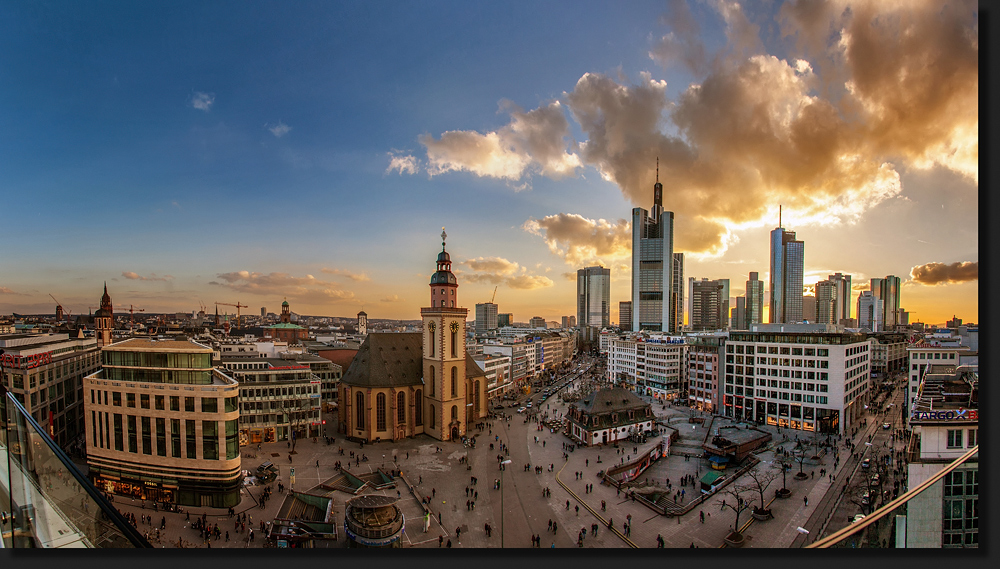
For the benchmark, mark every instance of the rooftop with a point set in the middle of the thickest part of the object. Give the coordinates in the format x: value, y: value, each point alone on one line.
x: 145, y: 344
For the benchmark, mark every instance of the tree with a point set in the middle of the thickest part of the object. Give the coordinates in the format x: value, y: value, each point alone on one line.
x: 762, y: 477
x: 736, y: 498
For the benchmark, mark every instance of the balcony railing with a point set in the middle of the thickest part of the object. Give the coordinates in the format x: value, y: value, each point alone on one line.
x: 52, y: 505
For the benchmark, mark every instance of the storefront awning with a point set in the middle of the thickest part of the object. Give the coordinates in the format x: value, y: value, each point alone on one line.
x: 710, y: 477
x: 718, y: 459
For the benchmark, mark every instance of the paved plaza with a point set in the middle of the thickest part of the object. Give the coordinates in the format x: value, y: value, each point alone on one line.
x: 441, y: 473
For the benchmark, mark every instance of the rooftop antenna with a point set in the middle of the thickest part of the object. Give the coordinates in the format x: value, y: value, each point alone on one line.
x: 779, y: 216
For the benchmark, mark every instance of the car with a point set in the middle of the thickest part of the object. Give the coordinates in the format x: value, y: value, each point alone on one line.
x: 529, y: 405
x: 876, y: 478
x: 866, y: 498
x: 866, y: 463
x: 521, y: 410
x: 886, y: 426
x: 857, y: 518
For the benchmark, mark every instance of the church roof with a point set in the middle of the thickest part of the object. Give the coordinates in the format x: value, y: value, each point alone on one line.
x: 610, y: 400
x: 286, y: 326
x: 394, y: 360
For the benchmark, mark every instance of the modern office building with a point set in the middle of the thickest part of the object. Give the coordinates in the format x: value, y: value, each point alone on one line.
x: 787, y: 261
x: 704, y: 353
x: 739, y: 314
x: 279, y: 399
x: 505, y: 319
x: 649, y: 364
x: 889, y: 291
x: 677, y: 296
x: 827, y: 302
x: 162, y: 424
x: 536, y: 322
x: 45, y: 372
x: 811, y: 381
x: 709, y: 304
x: 486, y: 317
x: 755, y: 300
x: 652, y: 265
x: 940, y: 350
x: 625, y: 315
x: 945, y: 425
x: 593, y: 301
x: 842, y: 307
x: 870, y: 312
x: 809, y: 309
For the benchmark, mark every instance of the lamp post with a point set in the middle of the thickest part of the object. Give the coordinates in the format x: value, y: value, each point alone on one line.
x: 503, y: 465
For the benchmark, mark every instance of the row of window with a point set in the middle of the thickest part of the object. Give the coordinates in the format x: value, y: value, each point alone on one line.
x: 207, y: 405
x: 779, y: 350
x: 137, y: 433
x: 955, y: 437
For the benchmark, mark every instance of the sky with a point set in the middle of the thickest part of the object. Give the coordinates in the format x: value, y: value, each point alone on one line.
x: 202, y: 152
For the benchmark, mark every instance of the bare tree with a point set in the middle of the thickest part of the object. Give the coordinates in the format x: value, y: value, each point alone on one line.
x: 762, y: 476
x: 736, y: 498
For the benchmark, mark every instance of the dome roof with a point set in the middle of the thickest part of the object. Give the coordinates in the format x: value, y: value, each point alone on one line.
x: 285, y: 303
x: 444, y: 257
x: 102, y: 313
x: 444, y: 277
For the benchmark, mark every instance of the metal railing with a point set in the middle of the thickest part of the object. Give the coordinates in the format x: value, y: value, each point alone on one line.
x: 879, y: 519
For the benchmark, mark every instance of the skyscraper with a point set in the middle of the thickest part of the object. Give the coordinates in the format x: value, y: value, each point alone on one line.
x: 677, y: 295
x: 787, y: 259
x: 889, y: 293
x: 709, y: 304
x: 740, y: 314
x: 826, y: 302
x: 593, y: 297
x: 754, y: 301
x: 870, y: 311
x: 652, y: 264
x: 486, y: 317
x: 842, y: 306
x: 625, y: 315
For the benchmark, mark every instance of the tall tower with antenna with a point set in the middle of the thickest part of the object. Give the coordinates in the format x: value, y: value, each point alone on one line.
x: 653, y: 296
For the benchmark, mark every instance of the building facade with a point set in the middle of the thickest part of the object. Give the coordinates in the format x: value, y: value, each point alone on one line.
x: 652, y: 264
x: 162, y: 424
x: 593, y: 300
x: 755, y: 300
x: 608, y: 415
x: 704, y: 352
x: 787, y: 262
x: 709, y: 304
x: 677, y: 296
x: 810, y: 381
x: 650, y: 364
x: 279, y: 399
x: 486, y: 317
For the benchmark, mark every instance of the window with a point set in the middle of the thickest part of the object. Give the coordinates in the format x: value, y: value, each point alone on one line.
x: 175, y: 437
x: 161, y: 437
x: 359, y: 410
x: 454, y: 340
x: 972, y: 437
x: 210, y: 440
x: 475, y: 398
x: 189, y: 438
x: 433, y: 416
x: 954, y: 438
x: 129, y: 397
x: 454, y: 412
x: 454, y: 381
x: 380, y: 412
x: 144, y: 401
x: 158, y: 402
x: 147, y: 437
x: 209, y: 405
x: 232, y: 439
x: 133, y: 445
x: 400, y: 408
x: 175, y: 403
x: 189, y: 406
x: 418, y: 408
x: 119, y: 439
x: 431, y: 385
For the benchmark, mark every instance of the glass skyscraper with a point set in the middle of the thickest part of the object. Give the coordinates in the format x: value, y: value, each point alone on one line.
x: 593, y: 297
x: 787, y: 256
x: 652, y: 265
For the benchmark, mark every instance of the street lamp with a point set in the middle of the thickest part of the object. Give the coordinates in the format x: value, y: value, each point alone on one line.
x: 503, y: 511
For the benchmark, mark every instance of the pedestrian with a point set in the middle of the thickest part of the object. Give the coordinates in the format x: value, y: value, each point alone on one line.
x: 805, y: 500
x: 440, y: 540
x: 701, y: 515
x: 449, y: 544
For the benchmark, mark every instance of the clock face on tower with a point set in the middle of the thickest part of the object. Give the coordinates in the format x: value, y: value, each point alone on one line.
x: 454, y: 326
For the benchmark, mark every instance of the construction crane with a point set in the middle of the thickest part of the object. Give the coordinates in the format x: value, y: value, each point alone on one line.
x: 59, y: 308
x: 494, y: 294
x: 238, y: 306
x: 131, y: 312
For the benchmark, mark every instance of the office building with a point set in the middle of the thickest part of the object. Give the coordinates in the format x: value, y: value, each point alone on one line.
x: 593, y: 301
x: 279, y: 399
x: 652, y: 265
x: 870, y: 311
x: 649, y: 364
x: 826, y: 302
x: 842, y: 307
x: 889, y: 292
x: 755, y: 300
x: 809, y: 309
x: 944, y: 426
x: 739, y: 315
x: 536, y: 322
x: 933, y: 349
x: 811, y: 381
x: 709, y: 304
x: 787, y: 261
x: 45, y: 372
x: 625, y: 315
x: 704, y: 354
x: 505, y: 319
x: 486, y: 317
x: 677, y: 294
x: 162, y: 424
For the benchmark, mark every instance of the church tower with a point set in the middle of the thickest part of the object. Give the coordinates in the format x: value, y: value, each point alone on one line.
x: 286, y: 313
x: 104, y: 320
x: 362, y: 323
x: 445, y: 412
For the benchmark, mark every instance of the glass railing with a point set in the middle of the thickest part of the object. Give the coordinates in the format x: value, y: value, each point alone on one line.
x: 955, y: 501
x: 47, y: 501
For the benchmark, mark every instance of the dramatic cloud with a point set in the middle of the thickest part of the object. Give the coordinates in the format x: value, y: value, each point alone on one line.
x: 402, y: 164
x: 581, y: 241
x: 867, y: 86
x: 279, y: 130
x: 940, y: 273
x: 357, y: 277
x: 307, y: 289
x: 202, y: 101
x: 532, y: 141
x: 152, y: 277
x: 497, y: 270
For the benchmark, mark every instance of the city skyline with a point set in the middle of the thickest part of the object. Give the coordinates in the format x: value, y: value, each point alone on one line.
x: 186, y: 156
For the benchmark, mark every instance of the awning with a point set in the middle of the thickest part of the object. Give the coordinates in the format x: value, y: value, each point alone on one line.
x: 718, y: 459
x: 710, y: 477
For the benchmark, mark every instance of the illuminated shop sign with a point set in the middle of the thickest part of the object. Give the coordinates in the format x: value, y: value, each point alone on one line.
x: 959, y: 415
x: 25, y: 362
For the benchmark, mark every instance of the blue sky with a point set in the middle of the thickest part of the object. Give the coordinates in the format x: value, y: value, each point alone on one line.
x: 320, y: 146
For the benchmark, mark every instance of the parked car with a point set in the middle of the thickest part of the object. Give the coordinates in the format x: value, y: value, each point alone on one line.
x: 866, y: 498
x: 876, y: 478
x: 521, y: 410
x: 866, y: 463
x: 857, y: 518
x: 886, y: 426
